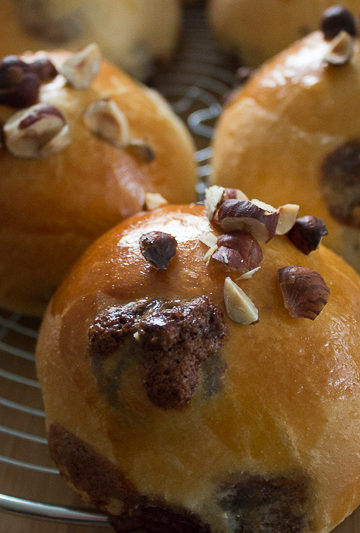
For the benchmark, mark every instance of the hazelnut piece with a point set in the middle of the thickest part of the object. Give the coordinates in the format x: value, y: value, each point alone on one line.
x: 105, y: 119
x: 158, y: 248
x: 208, y: 238
x: 233, y: 194
x: 36, y: 132
x: 304, y: 291
x: 44, y: 69
x: 336, y: 19
x: 287, y: 218
x: 142, y: 149
x: 210, y: 253
x: 19, y: 86
x: 341, y: 50
x: 213, y: 198
x: 238, y: 251
x: 246, y: 215
x: 81, y: 68
x: 307, y: 232
x: 153, y: 200
x: 250, y: 273
x: 239, y: 306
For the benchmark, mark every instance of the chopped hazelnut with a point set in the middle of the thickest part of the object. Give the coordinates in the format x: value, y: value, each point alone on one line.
x: 105, y: 119
x: 158, y: 248
x: 44, y: 69
x: 246, y: 215
x: 213, y: 197
x: 81, y: 68
x: 341, y: 50
x: 209, y: 254
x: 233, y: 194
x: 142, y: 149
x: 238, y: 305
x: 250, y: 273
x: 37, y: 131
x: 153, y: 200
x: 307, y: 232
x: 208, y: 238
x: 304, y: 291
x: 287, y: 218
x: 19, y: 85
x: 336, y: 19
x: 238, y: 251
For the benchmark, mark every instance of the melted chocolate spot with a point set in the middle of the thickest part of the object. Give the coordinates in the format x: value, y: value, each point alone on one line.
x: 264, y: 504
x: 171, y: 340
x: 341, y: 183
x: 87, y: 470
x: 175, y: 342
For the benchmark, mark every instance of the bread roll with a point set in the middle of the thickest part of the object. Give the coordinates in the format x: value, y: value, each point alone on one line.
x: 119, y: 141
x: 134, y: 34
x: 166, y: 411
x: 292, y: 134
x: 255, y: 30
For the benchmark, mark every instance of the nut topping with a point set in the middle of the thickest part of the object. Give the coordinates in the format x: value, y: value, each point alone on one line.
x: 158, y: 248
x: 19, y: 86
x: 336, y: 19
x: 238, y: 305
x: 153, y: 200
x: 213, y: 197
x: 304, y: 291
x: 208, y: 238
x: 105, y: 119
x: 81, y: 68
x: 341, y: 50
x: 250, y: 274
x: 307, y: 232
x: 141, y: 149
x: 246, y: 215
x: 44, y: 69
x: 233, y: 194
x: 287, y: 218
x: 38, y: 131
x: 209, y: 254
x: 238, y: 251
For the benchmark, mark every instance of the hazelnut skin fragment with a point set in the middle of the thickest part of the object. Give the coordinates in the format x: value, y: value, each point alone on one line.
x: 238, y: 251
x: 307, y: 232
x: 246, y: 215
x: 158, y: 248
x: 336, y: 19
x: 304, y: 291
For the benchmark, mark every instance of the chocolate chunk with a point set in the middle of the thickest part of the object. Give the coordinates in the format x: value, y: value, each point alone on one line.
x: 266, y: 504
x: 340, y: 181
x: 106, y: 485
x: 157, y: 517
x: 175, y: 342
x: 336, y: 19
x: 115, y: 324
x: 158, y: 248
x: 87, y: 470
x: 307, y: 232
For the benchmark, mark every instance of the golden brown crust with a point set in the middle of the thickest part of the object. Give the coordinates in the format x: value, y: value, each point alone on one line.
x: 286, y: 408
x: 134, y: 34
x: 287, y: 137
x: 51, y: 209
x: 256, y: 30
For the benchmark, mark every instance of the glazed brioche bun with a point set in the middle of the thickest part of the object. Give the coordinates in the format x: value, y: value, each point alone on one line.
x: 55, y: 201
x: 255, y: 30
x: 134, y: 34
x: 292, y: 134
x: 170, y: 416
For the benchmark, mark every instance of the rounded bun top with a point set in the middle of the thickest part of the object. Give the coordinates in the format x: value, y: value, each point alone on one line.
x: 291, y: 133
x: 220, y: 383
x: 83, y: 146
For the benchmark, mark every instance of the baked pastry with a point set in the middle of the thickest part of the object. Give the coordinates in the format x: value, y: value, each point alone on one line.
x: 79, y: 155
x: 181, y: 396
x: 136, y: 35
x: 292, y: 133
x: 255, y: 30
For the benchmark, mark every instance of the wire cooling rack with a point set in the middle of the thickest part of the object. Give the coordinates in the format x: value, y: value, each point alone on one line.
x: 195, y: 84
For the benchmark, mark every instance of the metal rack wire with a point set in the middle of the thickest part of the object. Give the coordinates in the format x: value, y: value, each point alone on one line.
x: 195, y: 85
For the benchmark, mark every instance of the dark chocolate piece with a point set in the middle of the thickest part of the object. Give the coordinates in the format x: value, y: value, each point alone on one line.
x: 340, y: 183
x: 175, y: 342
x: 266, y: 504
